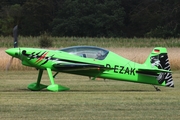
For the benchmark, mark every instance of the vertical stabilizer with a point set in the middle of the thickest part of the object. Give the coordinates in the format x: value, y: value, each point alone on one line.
x: 158, y: 58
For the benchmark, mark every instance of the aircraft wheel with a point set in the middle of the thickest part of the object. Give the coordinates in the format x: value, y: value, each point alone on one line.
x: 161, y: 77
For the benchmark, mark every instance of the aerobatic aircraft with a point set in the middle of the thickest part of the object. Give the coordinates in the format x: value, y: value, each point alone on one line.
x: 94, y: 62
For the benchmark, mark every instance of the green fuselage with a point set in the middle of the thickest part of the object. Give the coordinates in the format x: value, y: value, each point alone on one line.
x: 119, y: 67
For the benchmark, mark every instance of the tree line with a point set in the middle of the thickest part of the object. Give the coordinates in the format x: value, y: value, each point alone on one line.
x: 91, y: 18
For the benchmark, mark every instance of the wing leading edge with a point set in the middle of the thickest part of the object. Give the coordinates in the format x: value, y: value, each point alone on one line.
x: 79, y: 66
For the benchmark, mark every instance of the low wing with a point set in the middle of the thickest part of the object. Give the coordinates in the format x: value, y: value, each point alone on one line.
x: 79, y: 66
x: 93, y: 70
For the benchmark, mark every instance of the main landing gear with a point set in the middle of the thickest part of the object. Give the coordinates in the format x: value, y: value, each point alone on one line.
x: 53, y: 87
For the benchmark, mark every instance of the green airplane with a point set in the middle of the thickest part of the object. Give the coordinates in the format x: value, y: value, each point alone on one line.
x: 94, y: 62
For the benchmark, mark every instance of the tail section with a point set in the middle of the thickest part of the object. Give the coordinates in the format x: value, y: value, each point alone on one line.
x: 159, y: 59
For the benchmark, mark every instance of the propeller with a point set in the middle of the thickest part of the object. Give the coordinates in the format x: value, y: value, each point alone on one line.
x: 15, y: 36
x: 9, y: 64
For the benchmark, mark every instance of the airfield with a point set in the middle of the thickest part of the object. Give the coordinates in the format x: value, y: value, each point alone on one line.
x: 88, y: 99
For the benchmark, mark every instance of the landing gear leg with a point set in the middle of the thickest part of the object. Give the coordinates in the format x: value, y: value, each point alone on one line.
x: 54, y: 87
x: 37, y: 86
x: 157, y: 89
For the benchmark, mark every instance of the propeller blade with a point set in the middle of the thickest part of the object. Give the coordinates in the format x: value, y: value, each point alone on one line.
x: 15, y: 35
x: 9, y: 64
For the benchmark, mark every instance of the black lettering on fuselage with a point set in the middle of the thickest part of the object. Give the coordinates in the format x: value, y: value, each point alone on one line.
x: 108, y: 65
x: 132, y: 71
x: 116, y: 68
x: 126, y: 71
x: 122, y: 69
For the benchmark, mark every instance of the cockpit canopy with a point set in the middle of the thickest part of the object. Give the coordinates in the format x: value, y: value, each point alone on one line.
x: 87, y: 51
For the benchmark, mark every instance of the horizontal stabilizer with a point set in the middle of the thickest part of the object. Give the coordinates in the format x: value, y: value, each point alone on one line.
x: 153, y: 70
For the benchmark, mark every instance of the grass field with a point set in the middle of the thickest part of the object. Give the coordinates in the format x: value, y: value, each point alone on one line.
x: 86, y: 100
x: 59, y: 42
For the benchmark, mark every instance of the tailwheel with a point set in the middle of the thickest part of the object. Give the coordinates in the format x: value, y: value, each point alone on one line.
x: 56, y: 88
x: 36, y: 87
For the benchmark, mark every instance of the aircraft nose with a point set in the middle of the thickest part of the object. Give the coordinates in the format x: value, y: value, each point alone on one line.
x: 14, y: 52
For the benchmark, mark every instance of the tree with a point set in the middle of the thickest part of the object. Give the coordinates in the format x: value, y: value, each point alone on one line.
x: 169, y: 25
x: 152, y: 18
x: 37, y: 16
x: 93, y: 18
x: 10, y: 16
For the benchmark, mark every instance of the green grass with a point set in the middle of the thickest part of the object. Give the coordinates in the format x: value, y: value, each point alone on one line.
x: 87, y: 99
x: 59, y: 42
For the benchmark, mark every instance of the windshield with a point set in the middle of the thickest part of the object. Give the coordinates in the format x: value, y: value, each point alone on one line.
x: 87, y: 51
